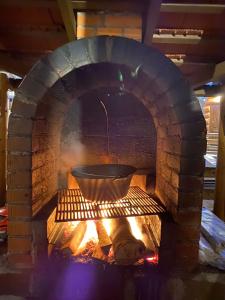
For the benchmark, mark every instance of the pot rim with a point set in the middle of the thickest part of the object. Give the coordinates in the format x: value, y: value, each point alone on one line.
x: 99, y: 171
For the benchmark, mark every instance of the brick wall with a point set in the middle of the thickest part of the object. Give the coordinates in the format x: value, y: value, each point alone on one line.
x: 115, y: 24
x: 131, y: 132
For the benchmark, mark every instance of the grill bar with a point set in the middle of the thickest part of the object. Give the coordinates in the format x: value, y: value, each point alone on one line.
x: 73, y: 207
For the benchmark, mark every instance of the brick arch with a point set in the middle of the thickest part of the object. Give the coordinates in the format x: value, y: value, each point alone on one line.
x: 154, y: 79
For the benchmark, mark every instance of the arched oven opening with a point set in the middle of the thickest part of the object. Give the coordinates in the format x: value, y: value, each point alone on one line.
x: 102, y: 101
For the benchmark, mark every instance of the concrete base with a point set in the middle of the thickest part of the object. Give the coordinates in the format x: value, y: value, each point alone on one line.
x: 204, y: 284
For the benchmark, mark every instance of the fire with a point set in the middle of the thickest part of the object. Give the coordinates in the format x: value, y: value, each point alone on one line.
x: 73, y: 224
x: 106, y: 159
x: 90, y: 234
x: 109, y: 240
x: 134, y: 228
x: 152, y: 259
x: 107, y: 225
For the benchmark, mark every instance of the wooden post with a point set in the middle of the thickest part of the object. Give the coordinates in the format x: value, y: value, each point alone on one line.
x: 219, y: 207
x: 3, y: 135
x: 66, y: 9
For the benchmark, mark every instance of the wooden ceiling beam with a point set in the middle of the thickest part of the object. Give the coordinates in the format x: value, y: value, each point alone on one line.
x: 82, y: 5
x: 197, y: 74
x: 136, y: 6
x: 68, y: 17
x: 31, y: 41
x: 150, y: 19
x: 192, y: 8
x: 29, y: 3
x: 17, y: 63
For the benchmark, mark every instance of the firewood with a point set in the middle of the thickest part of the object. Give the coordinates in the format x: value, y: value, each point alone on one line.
x: 127, y: 249
x: 98, y: 253
x: 77, y: 237
x: 104, y: 240
x: 56, y: 235
x: 146, y: 237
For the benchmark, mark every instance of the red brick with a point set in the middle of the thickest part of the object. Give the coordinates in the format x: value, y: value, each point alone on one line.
x: 173, y: 161
x: 19, y: 211
x: 188, y: 250
x: 186, y: 263
x: 22, y: 144
x: 162, y: 132
x: 193, y: 147
x: 190, y: 200
x: 19, y: 179
x: 85, y: 32
x: 19, y: 260
x: 186, y: 166
x: 19, y: 196
x: 188, y: 233
x: 129, y: 20
x: 192, y: 166
x: 110, y: 31
x: 133, y: 33
x: 188, y: 217
x: 166, y: 173
x: 190, y: 183
x: 24, y: 109
x: 19, y: 228
x: 175, y: 178
x: 20, y: 126
x: 89, y: 19
x: 19, y: 245
x: 19, y: 162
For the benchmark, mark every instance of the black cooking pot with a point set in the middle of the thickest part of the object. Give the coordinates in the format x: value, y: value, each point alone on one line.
x: 106, y: 182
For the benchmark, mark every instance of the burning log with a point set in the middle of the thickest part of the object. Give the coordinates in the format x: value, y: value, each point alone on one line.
x: 127, y: 249
x: 76, y: 238
x: 99, y: 254
x: 146, y: 236
x: 104, y: 240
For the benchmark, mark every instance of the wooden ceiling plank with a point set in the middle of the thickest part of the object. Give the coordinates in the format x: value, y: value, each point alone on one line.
x: 17, y: 63
x: 192, y: 8
x: 124, y: 5
x: 29, y: 3
x: 150, y: 20
x: 68, y: 17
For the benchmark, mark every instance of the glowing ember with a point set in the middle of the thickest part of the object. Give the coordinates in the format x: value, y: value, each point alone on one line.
x: 152, y: 259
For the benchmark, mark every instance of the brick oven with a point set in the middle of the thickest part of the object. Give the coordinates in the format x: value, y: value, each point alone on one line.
x: 57, y: 122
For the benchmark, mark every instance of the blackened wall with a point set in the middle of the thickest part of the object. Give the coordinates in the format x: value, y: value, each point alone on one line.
x: 129, y: 137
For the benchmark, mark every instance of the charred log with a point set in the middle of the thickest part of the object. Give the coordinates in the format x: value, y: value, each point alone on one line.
x: 104, y: 240
x: 127, y: 249
x: 146, y: 236
x: 76, y: 238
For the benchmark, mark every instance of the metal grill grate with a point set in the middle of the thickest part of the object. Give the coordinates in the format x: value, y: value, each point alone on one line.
x: 73, y: 207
